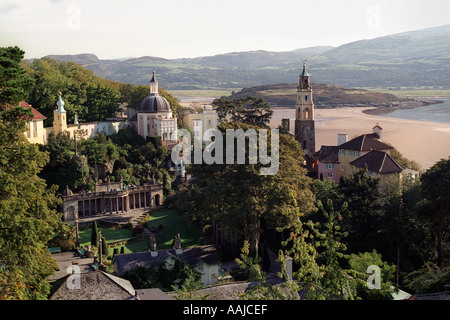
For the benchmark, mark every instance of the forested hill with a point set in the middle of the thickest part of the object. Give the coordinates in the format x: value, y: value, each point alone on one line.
x: 410, y: 59
x: 325, y: 96
x: 90, y: 97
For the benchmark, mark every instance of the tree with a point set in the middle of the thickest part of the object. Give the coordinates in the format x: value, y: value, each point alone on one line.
x: 245, y: 203
x: 360, y: 263
x: 94, y: 234
x: 250, y: 110
x: 13, y: 78
x: 64, y: 168
x: 190, y: 287
x: 86, y: 95
x: 104, y: 246
x: 101, y: 102
x: 28, y: 217
x: 406, y: 234
x: 336, y: 282
x: 361, y: 220
x: 261, y: 289
x: 436, y: 189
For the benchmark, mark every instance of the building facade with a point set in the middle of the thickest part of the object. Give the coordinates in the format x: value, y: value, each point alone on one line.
x: 110, y: 198
x: 37, y: 133
x: 200, y: 122
x: 154, y: 116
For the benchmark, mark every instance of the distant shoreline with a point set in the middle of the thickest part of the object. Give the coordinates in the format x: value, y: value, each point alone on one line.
x: 378, y: 111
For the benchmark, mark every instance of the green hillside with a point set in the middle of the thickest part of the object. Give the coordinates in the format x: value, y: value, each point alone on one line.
x: 411, y: 59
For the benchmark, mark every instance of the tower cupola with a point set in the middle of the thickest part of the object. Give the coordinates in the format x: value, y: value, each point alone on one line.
x: 304, y: 78
x: 60, y: 104
x: 154, y: 85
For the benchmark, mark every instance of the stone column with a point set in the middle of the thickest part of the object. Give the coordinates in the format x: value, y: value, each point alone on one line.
x: 139, y: 200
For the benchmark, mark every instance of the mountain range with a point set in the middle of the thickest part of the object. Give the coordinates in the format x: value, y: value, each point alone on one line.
x: 410, y: 59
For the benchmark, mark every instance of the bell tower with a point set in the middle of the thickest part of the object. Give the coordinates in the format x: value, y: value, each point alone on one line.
x: 304, y: 115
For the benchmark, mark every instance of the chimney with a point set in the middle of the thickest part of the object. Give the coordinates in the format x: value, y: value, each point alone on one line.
x: 377, y: 129
x: 289, y: 267
x: 342, y: 138
x: 177, y: 246
x: 285, y: 124
x: 152, y: 245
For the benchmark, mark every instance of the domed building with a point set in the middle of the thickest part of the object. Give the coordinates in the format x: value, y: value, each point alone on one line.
x: 154, y: 116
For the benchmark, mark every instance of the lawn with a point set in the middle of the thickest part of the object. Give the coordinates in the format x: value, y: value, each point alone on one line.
x: 171, y: 222
x: 109, y: 234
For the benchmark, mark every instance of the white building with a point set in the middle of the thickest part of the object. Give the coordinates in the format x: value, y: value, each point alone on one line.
x: 154, y: 116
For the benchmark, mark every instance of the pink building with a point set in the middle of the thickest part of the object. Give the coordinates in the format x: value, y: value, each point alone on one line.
x: 328, y: 163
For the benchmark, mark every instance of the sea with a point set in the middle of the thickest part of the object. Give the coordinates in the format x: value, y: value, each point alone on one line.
x: 435, y: 113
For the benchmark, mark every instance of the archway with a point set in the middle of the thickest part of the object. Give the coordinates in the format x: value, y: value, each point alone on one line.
x: 157, y: 200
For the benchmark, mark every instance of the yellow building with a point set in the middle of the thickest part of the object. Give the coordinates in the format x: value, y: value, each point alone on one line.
x: 37, y: 133
x: 200, y: 122
x: 35, y: 127
x: 351, y: 150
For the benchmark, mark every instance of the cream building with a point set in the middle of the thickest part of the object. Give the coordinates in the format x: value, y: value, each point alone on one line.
x: 37, y: 133
x: 154, y: 116
x: 200, y: 122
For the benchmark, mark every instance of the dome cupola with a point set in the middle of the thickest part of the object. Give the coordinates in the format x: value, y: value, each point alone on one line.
x: 154, y: 103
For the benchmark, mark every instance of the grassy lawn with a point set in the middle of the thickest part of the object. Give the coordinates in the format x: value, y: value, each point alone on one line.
x: 108, y: 233
x: 172, y: 224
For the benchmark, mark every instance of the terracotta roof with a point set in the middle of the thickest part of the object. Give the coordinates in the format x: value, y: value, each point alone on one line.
x: 365, y: 142
x: 329, y: 154
x: 36, y: 114
x: 378, y: 161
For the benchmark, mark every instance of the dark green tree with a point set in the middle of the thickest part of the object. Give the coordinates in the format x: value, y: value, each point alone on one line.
x: 436, y: 189
x: 361, y: 220
x: 13, y: 78
x: 28, y: 217
x: 94, y: 234
x: 251, y: 110
x: 360, y: 263
x: 245, y: 203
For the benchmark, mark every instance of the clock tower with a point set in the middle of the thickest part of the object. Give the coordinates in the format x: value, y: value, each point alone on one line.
x: 304, y: 115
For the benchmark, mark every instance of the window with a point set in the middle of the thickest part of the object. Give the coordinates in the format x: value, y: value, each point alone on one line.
x: 34, y: 129
x: 342, y: 167
x: 342, y: 152
x: 330, y: 165
x: 306, y: 98
x: 330, y: 175
x: 306, y: 113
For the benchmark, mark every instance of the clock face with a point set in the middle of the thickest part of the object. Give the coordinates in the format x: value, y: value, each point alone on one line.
x: 307, y: 129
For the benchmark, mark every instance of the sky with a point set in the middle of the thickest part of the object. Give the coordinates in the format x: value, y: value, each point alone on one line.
x: 193, y: 28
